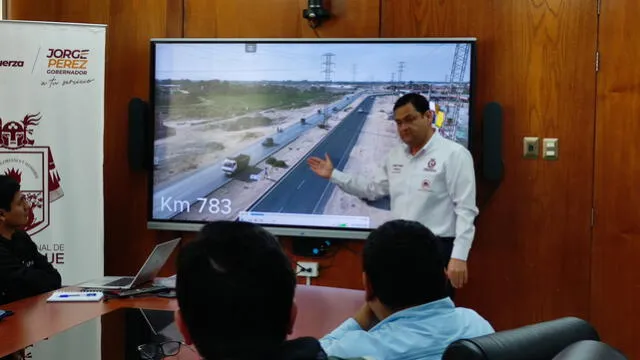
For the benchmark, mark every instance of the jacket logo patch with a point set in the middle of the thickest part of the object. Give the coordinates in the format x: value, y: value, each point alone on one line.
x: 431, y: 165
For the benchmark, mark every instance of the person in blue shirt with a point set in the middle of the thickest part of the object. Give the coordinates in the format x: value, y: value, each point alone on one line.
x: 407, y: 313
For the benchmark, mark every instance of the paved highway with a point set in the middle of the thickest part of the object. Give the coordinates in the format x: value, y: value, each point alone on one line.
x: 168, y: 199
x: 304, y: 192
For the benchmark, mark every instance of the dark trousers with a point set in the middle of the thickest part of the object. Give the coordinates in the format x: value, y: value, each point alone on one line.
x: 446, y: 247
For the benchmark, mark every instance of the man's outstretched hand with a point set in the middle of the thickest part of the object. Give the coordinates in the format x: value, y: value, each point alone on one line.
x: 322, y: 167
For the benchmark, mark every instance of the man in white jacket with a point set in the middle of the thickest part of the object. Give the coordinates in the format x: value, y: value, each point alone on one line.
x: 429, y: 179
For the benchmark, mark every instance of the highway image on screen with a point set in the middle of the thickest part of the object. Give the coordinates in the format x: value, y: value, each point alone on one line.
x: 235, y: 123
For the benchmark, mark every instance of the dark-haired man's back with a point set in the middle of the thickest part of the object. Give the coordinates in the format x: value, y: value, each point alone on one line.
x: 406, y: 312
x: 235, y: 288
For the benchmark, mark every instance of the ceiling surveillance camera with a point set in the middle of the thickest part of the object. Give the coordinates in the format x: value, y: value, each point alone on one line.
x: 316, y: 12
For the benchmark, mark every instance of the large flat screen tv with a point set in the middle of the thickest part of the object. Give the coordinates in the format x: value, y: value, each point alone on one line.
x: 236, y: 119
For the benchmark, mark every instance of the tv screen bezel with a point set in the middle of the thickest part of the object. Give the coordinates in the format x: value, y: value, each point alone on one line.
x: 284, y: 230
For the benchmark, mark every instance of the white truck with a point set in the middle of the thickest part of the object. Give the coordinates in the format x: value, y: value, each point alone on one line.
x: 232, y: 166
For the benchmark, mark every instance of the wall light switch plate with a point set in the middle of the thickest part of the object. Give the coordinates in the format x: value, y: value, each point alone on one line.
x: 530, y: 148
x: 550, y: 149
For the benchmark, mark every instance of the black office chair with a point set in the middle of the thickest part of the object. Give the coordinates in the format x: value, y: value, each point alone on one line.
x: 590, y: 350
x: 540, y: 341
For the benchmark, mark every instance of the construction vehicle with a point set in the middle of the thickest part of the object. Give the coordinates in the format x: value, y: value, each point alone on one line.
x: 268, y: 142
x: 232, y: 166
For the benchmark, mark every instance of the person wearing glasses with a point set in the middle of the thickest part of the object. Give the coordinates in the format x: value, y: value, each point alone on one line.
x: 24, y: 271
x: 235, y: 288
x: 429, y: 179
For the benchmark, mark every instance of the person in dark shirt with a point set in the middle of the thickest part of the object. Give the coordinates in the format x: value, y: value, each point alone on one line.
x: 235, y: 288
x: 24, y: 272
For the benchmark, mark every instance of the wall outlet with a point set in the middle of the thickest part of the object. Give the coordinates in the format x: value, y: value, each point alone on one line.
x: 307, y: 269
x: 530, y: 147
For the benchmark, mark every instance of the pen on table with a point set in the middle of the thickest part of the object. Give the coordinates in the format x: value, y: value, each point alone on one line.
x: 70, y: 295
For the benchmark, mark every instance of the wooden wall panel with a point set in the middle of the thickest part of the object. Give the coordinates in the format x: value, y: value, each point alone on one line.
x: 530, y: 261
x: 131, y: 25
x: 34, y: 10
x: 79, y: 11
x: 278, y: 19
x: 616, y: 239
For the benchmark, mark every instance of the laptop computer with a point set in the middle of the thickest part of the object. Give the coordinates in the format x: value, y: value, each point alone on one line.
x: 147, y: 272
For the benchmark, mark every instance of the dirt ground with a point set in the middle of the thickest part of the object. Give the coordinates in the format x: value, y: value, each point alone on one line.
x: 377, y: 138
x: 243, y: 194
x: 197, y: 143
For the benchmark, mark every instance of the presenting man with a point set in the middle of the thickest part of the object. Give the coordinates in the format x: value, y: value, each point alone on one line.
x: 429, y: 179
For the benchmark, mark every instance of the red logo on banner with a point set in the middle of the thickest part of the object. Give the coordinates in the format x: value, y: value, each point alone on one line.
x: 32, y: 166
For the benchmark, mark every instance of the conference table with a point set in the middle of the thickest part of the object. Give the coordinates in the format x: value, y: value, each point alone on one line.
x: 127, y: 323
x: 118, y: 322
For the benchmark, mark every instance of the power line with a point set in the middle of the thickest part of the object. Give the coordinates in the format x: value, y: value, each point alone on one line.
x: 400, y: 70
x: 327, y: 66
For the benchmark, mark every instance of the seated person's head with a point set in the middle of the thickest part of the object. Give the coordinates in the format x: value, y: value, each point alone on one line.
x: 402, y: 267
x: 235, y: 289
x: 14, y: 209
